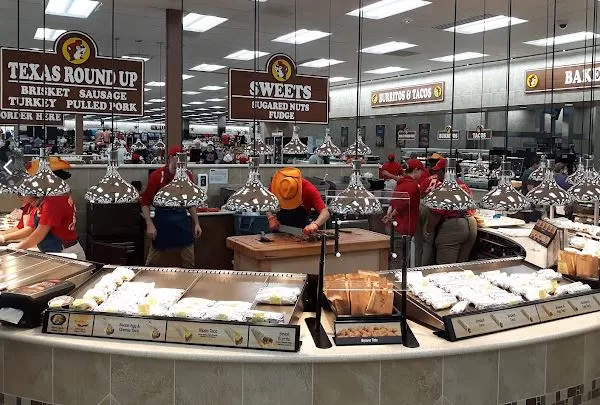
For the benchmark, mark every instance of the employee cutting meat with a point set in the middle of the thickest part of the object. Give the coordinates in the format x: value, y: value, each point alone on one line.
x: 298, y: 198
x: 172, y: 230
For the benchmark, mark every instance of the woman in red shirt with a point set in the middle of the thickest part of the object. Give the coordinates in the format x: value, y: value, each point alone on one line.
x: 405, y: 209
x: 390, y: 170
x: 22, y: 229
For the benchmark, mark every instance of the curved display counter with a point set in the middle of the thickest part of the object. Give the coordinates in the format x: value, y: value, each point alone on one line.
x: 553, y: 361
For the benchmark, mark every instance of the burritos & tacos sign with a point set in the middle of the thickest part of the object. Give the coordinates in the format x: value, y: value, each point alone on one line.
x: 278, y: 94
x: 73, y: 78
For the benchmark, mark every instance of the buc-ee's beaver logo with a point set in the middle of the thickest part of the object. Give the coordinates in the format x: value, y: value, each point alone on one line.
x: 532, y: 81
x: 437, y: 91
x: 76, y: 50
x: 281, y: 70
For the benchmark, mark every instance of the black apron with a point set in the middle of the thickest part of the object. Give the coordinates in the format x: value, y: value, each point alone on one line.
x: 298, y: 217
x: 173, y: 228
x: 51, y: 243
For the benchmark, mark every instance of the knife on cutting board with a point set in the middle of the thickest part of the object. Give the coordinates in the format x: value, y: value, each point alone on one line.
x: 292, y: 230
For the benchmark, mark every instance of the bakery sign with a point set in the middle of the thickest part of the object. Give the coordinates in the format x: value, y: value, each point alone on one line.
x: 417, y: 94
x: 570, y: 77
x: 73, y: 78
x: 278, y: 94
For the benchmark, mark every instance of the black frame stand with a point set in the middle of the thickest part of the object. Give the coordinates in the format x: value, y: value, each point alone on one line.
x: 408, y: 337
x: 317, y: 331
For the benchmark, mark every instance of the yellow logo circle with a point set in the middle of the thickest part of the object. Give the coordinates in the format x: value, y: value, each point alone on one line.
x: 437, y: 91
x: 374, y: 98
x: 76, y: 50
x: 281, y: 70
x: 532, y: 81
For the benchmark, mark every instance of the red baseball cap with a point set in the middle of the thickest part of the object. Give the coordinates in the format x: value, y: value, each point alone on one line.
x: 440, y: 165
x: 174, y: 150
x: 415, y: 164
x: 391, y: 156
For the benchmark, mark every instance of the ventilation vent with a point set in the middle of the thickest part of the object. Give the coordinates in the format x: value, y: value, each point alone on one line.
x: 465, y: 21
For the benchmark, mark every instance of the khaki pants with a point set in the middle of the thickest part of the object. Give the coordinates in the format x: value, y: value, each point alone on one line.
x: 177, y: 257
x: 455, y: 240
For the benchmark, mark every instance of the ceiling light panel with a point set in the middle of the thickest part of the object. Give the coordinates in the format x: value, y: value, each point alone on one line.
x: 207, y: 67
x: 49, y: 34
x: 388, y: 47
x: 337, y: 79
x: 301, y: 36
x: 386, y: 70
x: 245, y: 54
x: 155, y: 84
x: 215, y: 99
x: 190, y: 93
x: 197, y: 102
x: 320, y: 63
x: 71, y: 8
x: 200, y: 22
x: 564, y: 39
x: 185, y: 77
x: 212, y: 88
x: 387, y: 8
x: 487, y: 24
x: 136, y: 57
x: 460, y: 56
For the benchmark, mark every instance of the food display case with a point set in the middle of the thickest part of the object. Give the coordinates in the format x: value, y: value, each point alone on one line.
x: 509, y: 293
x: 7, y: 221
x: 197, y: 307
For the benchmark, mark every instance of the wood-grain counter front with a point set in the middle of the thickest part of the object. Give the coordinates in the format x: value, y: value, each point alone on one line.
x: 359, y: 248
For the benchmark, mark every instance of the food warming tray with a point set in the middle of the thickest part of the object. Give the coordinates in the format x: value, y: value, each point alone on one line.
x: 473, y: 323
x: 218, y: 285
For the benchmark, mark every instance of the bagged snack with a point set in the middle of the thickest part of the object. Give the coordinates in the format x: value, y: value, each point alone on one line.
x: 360, y: 294
x: 381, y: 302
x: 277, y: 295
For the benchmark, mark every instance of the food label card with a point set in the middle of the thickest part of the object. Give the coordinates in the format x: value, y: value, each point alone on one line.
x: 57, y: 322
x: 213, y: 334
x: 130, y: 328
x: 81, y: 324
x: 274, y: 338
x: 375, y: 333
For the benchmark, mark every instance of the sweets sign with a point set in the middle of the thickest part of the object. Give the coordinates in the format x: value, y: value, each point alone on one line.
x: 278, y: 94
x: 71, y: 79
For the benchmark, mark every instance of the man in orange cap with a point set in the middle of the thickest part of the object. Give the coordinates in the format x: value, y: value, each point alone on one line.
x: 297, y: 198
x: 172, y: 230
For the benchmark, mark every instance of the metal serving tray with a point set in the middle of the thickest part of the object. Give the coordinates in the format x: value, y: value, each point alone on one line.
x: 210, y: 284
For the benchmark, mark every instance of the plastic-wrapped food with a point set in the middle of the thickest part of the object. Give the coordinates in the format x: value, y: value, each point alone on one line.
x: 442, y: 301
x: 125, y: 273
x: 533, y: 294
x: 190, y: 308
x: 159, y: 301
x: 223, y: 313
x: 116, y: 307
x: 111, y: 278
x: 97, y: 294
x: 572, y: 288
x: 459, y: 307
x: 548, y: 274
x: 63, y: 301
x: 235, y: 305
x: 278, y: 295
x: 254, y: 316
x: 84, y: 304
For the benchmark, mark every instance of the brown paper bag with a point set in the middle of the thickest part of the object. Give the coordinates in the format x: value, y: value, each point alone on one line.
x: 587, y: 266
x: 567, y: 262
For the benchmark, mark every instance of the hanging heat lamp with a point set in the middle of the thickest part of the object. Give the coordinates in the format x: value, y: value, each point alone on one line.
x: 295, y: 145
x: 578, y: 174
x: 14, y: 180
x: 112, y: 188
x: 180, y: 192
x: 549, y: 193
x: 504, y: 197
x: 587, y: 190
x: 355, y: 199
x: 258, y: 146
x: 358, y: 148
x: 44, y: 183
x: 328, y: 148
x: 159, y: 146
x: 480, y: 169
x: 539, y: 174
x: 138, y: 146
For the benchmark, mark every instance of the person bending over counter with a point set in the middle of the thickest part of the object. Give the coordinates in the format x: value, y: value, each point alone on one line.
x: 391, y: 169
x: 22, y: 229
x: 297, y: 198
x: 172, y: 230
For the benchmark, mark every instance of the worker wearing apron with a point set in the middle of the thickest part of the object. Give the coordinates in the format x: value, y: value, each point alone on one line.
x: 297, y: 198
x: 22, y: 229
x: 172, y: 230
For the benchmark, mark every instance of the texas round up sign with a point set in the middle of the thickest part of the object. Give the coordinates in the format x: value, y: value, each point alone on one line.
x: 73, y: 78
x: 278, y: 94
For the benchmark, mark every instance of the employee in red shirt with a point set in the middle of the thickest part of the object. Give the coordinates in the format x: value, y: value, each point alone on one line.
x: 405, y: 209
x: 172, y: 230
x: 53, y: 225
x: 390, y: 170
x: 297, y: 198
x: 22, y: 229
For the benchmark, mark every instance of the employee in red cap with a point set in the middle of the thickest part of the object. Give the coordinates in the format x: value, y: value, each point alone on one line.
x: 404, y: 210
x: 390, y: 170
x: 172, y: 230
x: 298, y: 198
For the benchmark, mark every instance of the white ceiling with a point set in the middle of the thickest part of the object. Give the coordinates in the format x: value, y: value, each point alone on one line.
x: 145, y: 20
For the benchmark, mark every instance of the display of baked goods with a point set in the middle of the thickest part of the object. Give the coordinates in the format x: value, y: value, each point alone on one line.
x: 359, y: 294
x: 367, y: 331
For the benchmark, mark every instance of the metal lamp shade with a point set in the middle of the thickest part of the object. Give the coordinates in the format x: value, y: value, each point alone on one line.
x: 328, y: 148
x: 539, y: 174
x: 578, y: 174
x: 138, y: 145
x: 549, y: 193
x: 295, y: 145
x: 504, y: 197
x: 159, y: 146
x: 258, y: 146
x: 449, y: 196
x: 358, y: 148
x: 253, y: 196
x: 180, y: 192
x: 112, y: 188
x: 44, y: 183
x: 11, y: 183
x: 588, y: 188
x: 355, y: 199
x: 480, y: 169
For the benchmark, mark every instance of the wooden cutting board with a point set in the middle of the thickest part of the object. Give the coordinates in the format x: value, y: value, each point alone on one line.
x: 284, y: 245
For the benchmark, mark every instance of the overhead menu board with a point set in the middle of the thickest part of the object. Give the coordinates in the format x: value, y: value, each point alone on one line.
x: 32, y: 118
x: 416, y: 94
x: 73, y: 78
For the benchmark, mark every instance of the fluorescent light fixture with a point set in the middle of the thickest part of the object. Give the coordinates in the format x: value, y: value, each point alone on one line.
x: 157, y: 100
x: 71, y: 8
x: 200, y: 22
x: 197, y: 102
x: 386, y: 70
x: 185, y: 105
x: 319, y: 63
x: 136, y: 57
x: 201, y: 109
x: 215, y: 99
x: 387, y: 8
x: 190, y: 93
x: 155, y: 84
x: 147, y: 89
x: 207, y: 67
x: 185, y: 77
x: 564, y: 39
x: 337, y: 79
x: 301, y: 36
x: 205, y: 114
x: 49, y: 34
x: 487, y: 24
x: 217, y: 107
x: 388, y: 47
x: 212, y: 88
x: 245, y: 54
x: 147, y: 103
x: 460, y: 56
